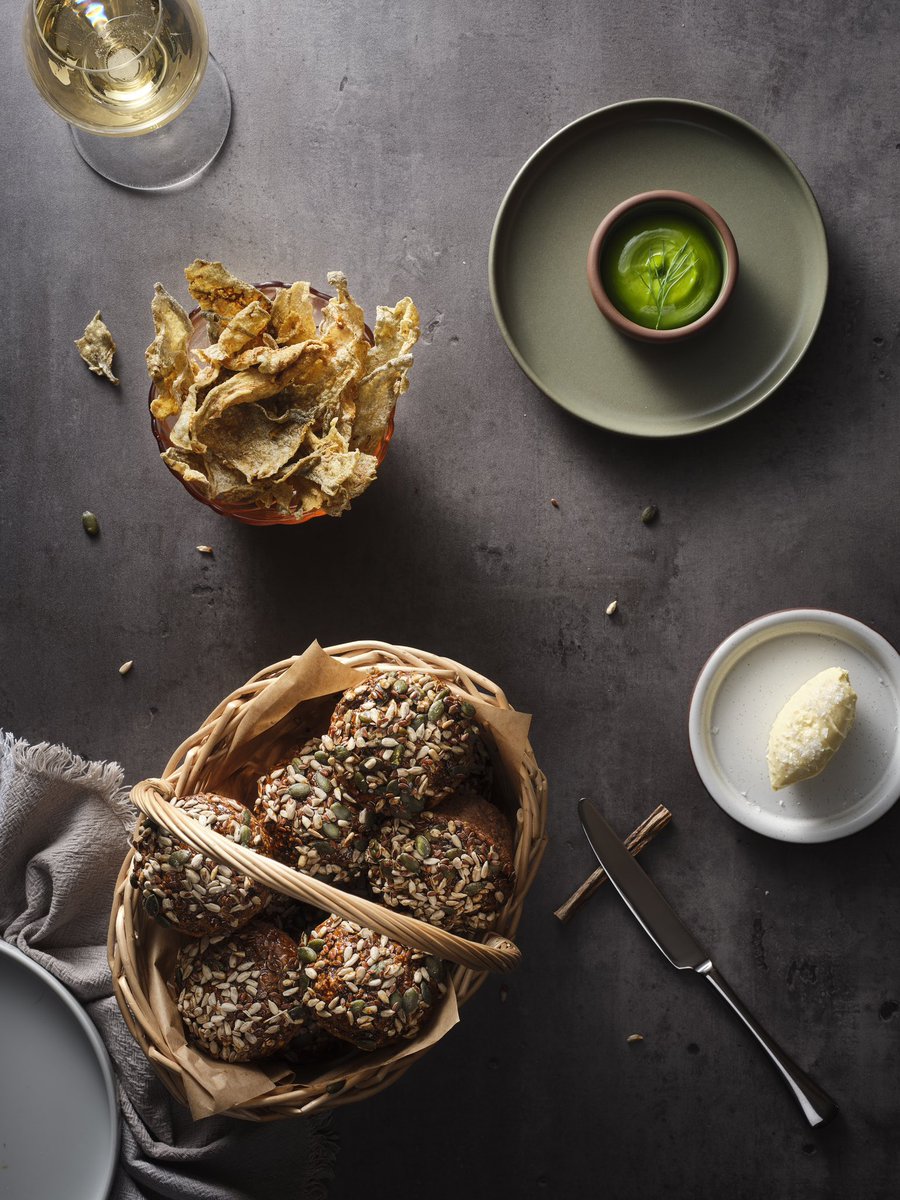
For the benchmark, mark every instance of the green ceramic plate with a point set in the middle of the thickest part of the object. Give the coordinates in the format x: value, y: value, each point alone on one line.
x: 538, y: 267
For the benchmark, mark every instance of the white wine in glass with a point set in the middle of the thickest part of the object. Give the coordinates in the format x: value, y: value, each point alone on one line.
x: 118, y: 69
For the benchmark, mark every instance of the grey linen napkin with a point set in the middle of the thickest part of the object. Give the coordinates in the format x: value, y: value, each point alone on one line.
x: 64, y: 826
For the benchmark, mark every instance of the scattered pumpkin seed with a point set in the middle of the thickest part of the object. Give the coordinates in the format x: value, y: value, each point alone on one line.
x: 411, y: 999
x: 468, y: 709
x: 401, y: 686
x: 409, y: 863
x: 307, y: 954
x: 423, y: 846
x: 435, y: 712
x: 246, y: 817
x: 315, y: 944
x: 246, y: 835
x: 341, y: 813
x: 320, y: 756
x: 434, y: 966
x: 650, y: 513
x: 472, y: 889
x: 356, y: 1006
x: 427, y: 993
x: 90, y: 523
x: 331, y: 830
x: 324, y: 783
x: 299, y: 791
x: 179, y: 857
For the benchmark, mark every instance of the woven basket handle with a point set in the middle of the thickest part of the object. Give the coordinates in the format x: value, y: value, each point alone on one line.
x: 153, y: 797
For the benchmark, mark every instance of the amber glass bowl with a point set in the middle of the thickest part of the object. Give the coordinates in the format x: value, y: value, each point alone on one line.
x: 250, y: 514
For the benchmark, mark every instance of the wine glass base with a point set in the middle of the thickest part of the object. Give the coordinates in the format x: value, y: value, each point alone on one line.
x: 170, y: 156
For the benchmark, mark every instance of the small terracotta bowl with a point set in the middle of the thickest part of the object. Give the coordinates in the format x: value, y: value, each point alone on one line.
x: 702, y: 212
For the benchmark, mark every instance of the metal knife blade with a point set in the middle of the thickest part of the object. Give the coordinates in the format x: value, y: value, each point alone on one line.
x: 640, y: 893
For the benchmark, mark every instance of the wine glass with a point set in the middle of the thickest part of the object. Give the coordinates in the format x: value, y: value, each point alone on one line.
x: 147, y: 104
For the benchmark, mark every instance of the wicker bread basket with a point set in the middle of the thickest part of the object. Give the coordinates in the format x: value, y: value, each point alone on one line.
x: 221, y: 757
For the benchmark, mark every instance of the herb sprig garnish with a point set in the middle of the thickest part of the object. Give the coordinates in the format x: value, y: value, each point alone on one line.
x: 663, y: 277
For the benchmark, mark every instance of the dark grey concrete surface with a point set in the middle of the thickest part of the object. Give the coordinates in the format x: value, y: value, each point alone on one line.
x: 380, y: 138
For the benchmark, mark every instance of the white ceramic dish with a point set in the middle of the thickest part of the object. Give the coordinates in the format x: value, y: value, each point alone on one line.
x: 740, y: 692
x: 58, y: 1114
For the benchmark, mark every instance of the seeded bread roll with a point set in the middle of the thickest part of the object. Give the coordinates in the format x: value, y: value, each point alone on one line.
x: 403, y: 742
x: 293, y: 917
x: 187, y: 890
x: 239, y: 993
x: 366, y: 989
x: 452, y: 868
x: 308, y: 822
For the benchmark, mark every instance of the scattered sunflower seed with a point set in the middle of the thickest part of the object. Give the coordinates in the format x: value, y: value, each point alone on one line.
x: 611, y: 607
x: 650, y: 513
x: 635, y: 1037
x: 554, y: 502
x: 205, y: 549
x: 90, y: 523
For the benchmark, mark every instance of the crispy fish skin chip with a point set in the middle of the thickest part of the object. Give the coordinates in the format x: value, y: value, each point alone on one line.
x: 396, y: 332
x: 293, y: 318
x: 248, y: 439
x: 360, y: 478
x: 248, y: 386
x: 242, y: 330
x: 188, y: 466
x: 180, y: 434
x: 168, y: 355
x: 375, y: 402
x: 242, y: 388
x: 343, y: 325
x: 387, y: 371
x: 97, y: 348
x: 273, y: 362
x: 217, y: 291
x: 213, y: 479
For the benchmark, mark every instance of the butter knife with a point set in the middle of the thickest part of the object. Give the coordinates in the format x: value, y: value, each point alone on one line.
x: 678, y: 944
